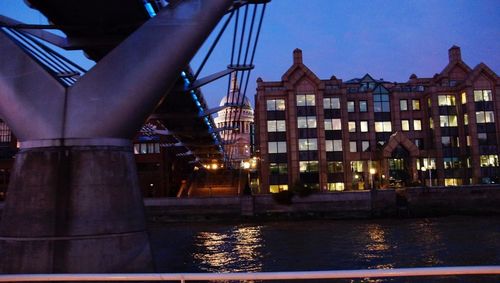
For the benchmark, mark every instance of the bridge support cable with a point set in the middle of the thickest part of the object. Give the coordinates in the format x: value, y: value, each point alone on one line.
x: 232, y: 113
x: 226, y: 120
x: 247, y: 45
x: 254, y: 49
x: 63, y: 70
x: 214, y: 44
x: 240, y: 108
x: 240, y: 49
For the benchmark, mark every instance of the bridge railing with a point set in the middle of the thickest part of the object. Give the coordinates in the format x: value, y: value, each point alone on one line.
x: 263, y: 276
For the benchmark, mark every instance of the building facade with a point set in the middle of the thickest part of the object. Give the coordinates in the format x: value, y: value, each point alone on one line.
x: 160, y: 171
x: 237, y: 118
x: 367, y: 133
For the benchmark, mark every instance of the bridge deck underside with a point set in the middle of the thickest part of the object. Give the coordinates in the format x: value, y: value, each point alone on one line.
x: 96, y: 27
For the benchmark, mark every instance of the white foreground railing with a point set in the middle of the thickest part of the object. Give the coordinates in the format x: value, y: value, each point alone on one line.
x: 294, y: 275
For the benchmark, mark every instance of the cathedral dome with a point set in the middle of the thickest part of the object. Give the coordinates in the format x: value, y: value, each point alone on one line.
x: 233, y: 99
x: 235, y: 96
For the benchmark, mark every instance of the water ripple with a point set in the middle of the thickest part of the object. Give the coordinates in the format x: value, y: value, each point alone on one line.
x: 234, y: 250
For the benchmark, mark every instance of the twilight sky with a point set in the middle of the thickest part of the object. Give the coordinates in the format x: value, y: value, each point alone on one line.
x: 389, y: 39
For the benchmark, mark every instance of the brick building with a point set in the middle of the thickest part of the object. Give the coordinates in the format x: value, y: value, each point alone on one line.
x: 365, y: 132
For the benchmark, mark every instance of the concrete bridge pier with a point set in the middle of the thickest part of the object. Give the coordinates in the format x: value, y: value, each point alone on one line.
x: 74, y: 209
x: 73, y: 203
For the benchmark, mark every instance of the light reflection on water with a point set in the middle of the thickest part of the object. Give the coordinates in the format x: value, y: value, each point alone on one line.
x: 433, y: 244
x: 328, y: 245
x: 235, y: 250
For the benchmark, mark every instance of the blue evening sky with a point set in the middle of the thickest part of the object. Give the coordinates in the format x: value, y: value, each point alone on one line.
x: 389, y: 39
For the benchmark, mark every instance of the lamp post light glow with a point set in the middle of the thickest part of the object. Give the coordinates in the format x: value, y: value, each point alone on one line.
x: 246, y: 165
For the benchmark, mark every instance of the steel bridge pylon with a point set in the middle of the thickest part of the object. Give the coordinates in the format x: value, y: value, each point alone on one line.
x: 73, y: 203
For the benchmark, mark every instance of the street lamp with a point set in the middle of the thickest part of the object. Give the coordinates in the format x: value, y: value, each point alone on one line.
x: 245, y: 165
x: 372, y: 172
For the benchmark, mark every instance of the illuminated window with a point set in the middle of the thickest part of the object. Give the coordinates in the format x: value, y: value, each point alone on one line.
x: 335, y: 166
x: 468, y: 140
x: 452, y: 182
x: 405, y: 125
x: 350, y: 106
x: 363, y: 126
x: 353, y: 146
x: 276, y: 126
x: 427, y: 163
x: 306, y: 100
x: 275, y: 105
x: 446, y: 100
x: 308, y: 144
x: 488, y: 160
x: 415, y: 103
x: 485, y: 117
x: 333, y: 145
x: 483, y: 95
x: 365, y: 145
x: 328, y: 145
x: 156, y: 147
x: 278, y: 168
x: 466, y: 119
x: 451, y: 162
x: 417, y: 125
x: 352, y: 126
x: 277, y: 188
x: 333, y: 124
x: 308, y: 166
x: 146, y: 148
x: 276, y: 147
x: 306, y: 122
x: 383, y: 127
x: 431, y: 123
x: 357, y: 166
x: 464, y: 97
x: 331, y: 103
x: 335, y: 186
x: 5, y: 133
x: 363, y: 106
x: 448, y: 121
x: 403, y: 105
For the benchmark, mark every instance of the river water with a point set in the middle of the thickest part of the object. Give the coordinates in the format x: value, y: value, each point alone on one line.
x: 330, y: 245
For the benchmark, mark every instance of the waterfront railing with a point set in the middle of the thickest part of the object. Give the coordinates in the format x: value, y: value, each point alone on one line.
x: 262, y: 276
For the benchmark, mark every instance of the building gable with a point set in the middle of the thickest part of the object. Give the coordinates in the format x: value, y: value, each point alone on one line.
x: 298, y: 72
x: 399, y: 138
x: 482, y: 77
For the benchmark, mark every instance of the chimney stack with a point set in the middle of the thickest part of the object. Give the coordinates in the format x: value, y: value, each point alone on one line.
x: 297, y: 56
x: 454, y: 54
